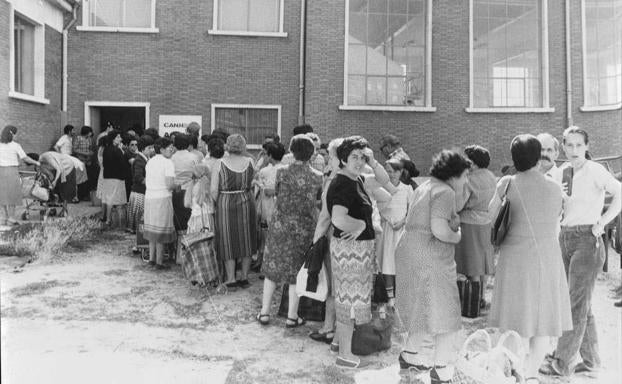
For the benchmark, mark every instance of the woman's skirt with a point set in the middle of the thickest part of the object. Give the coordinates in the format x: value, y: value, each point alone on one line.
x: 135, y: 210
x: 67, y: 190
x: 11, y: 186
x: 474, y: 253
x: 113, y: 192
x: 158, y: 218
x: 352, y: 279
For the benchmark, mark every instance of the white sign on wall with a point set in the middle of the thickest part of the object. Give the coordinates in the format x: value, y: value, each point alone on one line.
x: 177, y: 123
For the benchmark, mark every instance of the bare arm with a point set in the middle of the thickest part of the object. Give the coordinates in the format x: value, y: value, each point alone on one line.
x: 323, y: 222
x: 614, y: 188
x: 214, y: 181
x: 442, y: 231
x: 351, y: 227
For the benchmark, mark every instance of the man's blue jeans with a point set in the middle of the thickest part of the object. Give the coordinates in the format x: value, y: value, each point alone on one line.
x: 582, y: 261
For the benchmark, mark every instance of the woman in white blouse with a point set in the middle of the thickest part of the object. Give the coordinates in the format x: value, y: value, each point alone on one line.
x: 11, y: 188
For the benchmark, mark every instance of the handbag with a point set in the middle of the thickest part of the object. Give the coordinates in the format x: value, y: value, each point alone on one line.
x: 321, y: 290
x: 374, y: 336
x: 470, y: 292
x: 198, y: 257
x: 308, y: 309
x: 40, y: 193
x: 379, y: 295
x: 501, y: 225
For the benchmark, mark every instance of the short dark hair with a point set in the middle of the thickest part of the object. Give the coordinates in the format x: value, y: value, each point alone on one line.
x: 447, y: 164
x: 144, y: 141
x: 525, y: 150
x: 194, y: 141
x: 302, y: 129
x: 162, y: 142
x: 153, y: 133
x: 301, y: 146
x: 85, y: 130
x: 110, y: 136
x: 410, y: 167
x: 216, y: 147
x: 576, y: 130
x: 478, y: 155
x: 275, y: 150
x: 7, y: 134
x: 223, y: 133
x: 182, y: 141
x: 348, y: 145
x: 68, y: 128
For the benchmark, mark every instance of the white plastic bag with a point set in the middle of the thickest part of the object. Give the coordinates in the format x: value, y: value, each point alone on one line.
x: 320, y: 293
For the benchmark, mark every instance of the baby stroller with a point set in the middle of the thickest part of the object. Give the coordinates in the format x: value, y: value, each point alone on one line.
x: 39, y: 196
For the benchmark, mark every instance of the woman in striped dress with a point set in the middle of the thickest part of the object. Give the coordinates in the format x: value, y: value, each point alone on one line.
x: 236, y: 237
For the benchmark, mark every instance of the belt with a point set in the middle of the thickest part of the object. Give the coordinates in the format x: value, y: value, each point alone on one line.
x: 578, y: 228
x: 232, y: 192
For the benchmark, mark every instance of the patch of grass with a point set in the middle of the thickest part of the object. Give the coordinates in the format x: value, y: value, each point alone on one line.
x: 40, y: 287
x: 116, y: 272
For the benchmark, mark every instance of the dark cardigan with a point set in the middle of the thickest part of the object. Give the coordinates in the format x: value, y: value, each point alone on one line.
x: 114, y: 163
x: 138, y: 174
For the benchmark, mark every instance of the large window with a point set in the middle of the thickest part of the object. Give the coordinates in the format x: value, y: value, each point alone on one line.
x: 508, y: 54
x: 254, y: 122
x: 248, y: 17
x: 602, y: 63
x: 386, y: 53
x: 24, y: 56
x: 116, y: 15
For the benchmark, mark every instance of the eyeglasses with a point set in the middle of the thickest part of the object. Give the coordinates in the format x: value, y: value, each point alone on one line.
x: 133, y: 144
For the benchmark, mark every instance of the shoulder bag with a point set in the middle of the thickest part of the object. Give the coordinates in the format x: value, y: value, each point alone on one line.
x: 501, y: 225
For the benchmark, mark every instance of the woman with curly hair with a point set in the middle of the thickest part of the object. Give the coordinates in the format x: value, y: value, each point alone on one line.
x: 427, y: 295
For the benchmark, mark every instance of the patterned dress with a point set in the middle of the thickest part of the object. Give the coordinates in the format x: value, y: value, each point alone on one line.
x: 290, y: 231
x: 236, y: 237
x: 427, y: 293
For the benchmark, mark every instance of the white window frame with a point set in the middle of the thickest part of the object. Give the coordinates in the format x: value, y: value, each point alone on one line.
x: 428, y: 71
x: 217, y: 31
x: 247, y: 106
x: 88, y: 28
x: 89, y: 104
x: 39, y: 57
x: 585, y: 107
x: 546, y: 108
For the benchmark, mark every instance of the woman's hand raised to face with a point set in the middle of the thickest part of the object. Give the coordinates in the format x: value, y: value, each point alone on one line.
x: 368, y: 153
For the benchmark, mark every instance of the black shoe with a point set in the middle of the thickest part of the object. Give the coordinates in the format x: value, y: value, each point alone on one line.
x: 162, y: 267
x: 418, y: 368
x: 326, y: 337
x: 232, y: 284
x: 243, y: 283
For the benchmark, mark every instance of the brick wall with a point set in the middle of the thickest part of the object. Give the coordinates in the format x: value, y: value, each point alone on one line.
x: 183, y: 69
x: 423, y: 134
x: 38, y: 124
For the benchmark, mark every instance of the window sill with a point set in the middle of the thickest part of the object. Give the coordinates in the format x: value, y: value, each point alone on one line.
x: 31, y: 98
x: 510, y: 110
x: 597, y: 108
x: 387, y: 108
x: 117, y: 29
x: 247, y: 33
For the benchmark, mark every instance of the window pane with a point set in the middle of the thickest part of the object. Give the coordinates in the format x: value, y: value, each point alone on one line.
x: 24, y: 65
x: 138, y: 13
x: 264, y: 16
x: 106, y: 13
x: 603, y: 59
x: 233, y: 15
x: 506, y: 52
x: 253, y: 124
x: 387, y: 45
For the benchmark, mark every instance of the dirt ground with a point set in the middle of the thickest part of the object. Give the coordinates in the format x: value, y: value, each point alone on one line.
x: 99, y: 314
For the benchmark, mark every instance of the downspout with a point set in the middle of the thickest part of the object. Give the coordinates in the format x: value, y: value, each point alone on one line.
x: 301, y: 86
x: 569, y: 119
x: 73, y: 20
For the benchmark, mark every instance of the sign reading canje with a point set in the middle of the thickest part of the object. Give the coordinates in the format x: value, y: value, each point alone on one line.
x: 177, y: 123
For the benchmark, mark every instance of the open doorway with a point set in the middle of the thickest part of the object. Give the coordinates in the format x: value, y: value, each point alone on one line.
x: 122, y: 115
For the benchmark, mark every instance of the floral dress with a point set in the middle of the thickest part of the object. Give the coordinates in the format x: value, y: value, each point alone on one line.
x: 290, y: 232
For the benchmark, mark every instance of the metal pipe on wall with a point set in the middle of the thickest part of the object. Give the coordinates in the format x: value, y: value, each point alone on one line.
x: 301, y: 86
x: 74, y: 18
x: 569, y: 119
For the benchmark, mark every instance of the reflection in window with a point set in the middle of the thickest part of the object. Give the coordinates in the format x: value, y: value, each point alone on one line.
x: 249, y: 15
x: 386, y: 52
x: 119, y: 13
x: 507, y: 53
x: 24, y: 58
x: 603, y: 52
x: 252, y: 123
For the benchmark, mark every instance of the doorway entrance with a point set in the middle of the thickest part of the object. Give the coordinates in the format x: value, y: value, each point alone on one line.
x: 121, y: 115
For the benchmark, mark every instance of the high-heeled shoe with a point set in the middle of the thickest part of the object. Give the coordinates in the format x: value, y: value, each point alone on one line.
x: 418, y: 368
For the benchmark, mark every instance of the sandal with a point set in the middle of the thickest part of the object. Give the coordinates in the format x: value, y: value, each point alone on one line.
x: 324, y: 337
x: 345, y: 363
x: 233, y: 284
x: 260, y: 318
x: 550, y: 369
x: 296, y: 322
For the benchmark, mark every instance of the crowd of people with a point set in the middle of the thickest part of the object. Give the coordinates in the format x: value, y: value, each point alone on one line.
x: 266, y: 211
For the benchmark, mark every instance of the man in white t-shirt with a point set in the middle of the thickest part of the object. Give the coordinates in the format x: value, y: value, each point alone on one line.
x: 582, y: 226
x: 549, y: 153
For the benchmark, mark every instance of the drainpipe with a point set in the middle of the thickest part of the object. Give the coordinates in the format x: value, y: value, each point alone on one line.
x: 65, y: 5
x: 569, y: 119
x: 73, y: 20
x: 301, y: 87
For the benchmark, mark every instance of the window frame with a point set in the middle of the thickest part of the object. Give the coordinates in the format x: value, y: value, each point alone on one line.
x: 585, y: 107
x: 39, y: 59
x: 427, y: 107
x: 92, y: 103
x: 86, y: 27
x: 217, y: 31
x: 544, y: 68
x: 276, y: 107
